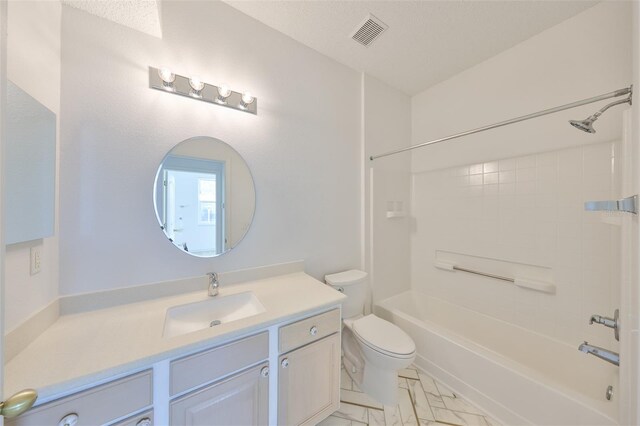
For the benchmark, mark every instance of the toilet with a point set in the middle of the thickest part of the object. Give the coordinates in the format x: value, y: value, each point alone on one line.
x: 373, y: 349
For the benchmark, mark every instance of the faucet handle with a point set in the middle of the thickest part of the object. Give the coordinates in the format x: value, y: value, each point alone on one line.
x: 213, y: 277
x: 613, y: 323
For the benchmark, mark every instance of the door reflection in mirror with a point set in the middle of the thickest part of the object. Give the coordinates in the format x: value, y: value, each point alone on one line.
x: 204, y: 197
x: 193, y: 202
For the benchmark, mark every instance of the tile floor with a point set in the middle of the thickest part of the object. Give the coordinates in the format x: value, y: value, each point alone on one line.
x: 421, y: 401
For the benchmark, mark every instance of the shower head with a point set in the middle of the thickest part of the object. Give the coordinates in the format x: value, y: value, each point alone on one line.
x: 586, y: 125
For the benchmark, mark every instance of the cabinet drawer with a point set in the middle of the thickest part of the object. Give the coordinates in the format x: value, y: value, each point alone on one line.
x: 195, y: 370
x: 143, y: 419
x: 309, y: 330
x: 96, y: 406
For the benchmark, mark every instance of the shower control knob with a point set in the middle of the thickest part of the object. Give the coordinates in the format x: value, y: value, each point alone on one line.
x: 285, y: 363
x: 264, y: 372
x: 313, y: 330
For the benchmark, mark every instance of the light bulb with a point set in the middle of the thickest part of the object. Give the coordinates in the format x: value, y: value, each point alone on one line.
x: 166, y: 75
x: 196, y: 84
x: 223, y: 93
x: 247, y: 98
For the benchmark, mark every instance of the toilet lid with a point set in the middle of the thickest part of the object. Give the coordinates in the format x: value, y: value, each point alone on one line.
x: 383, y: 336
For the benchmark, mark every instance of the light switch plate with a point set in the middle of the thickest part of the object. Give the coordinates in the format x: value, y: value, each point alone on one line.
x: 36, y: 260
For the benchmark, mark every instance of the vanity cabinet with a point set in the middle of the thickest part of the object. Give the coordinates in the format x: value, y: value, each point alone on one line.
x: 100, y: 405
x: 222, y: 385
x: 309, y: 375
x: 242, y: 399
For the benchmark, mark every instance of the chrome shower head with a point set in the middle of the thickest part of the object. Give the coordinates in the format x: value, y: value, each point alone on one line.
x: 586, y: 125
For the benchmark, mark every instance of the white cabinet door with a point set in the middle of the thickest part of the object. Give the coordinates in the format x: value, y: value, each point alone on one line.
x: 241, y: 400
x: 309, y: 382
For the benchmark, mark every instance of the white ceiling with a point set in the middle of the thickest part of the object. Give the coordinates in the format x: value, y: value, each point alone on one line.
x: 427, y: 41
x: 141, y: 15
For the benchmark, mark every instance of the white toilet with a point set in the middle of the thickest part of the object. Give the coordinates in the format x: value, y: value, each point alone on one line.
x: 373, y: 350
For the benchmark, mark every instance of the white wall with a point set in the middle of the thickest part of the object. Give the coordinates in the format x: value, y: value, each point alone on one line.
x: 387, y: 126
x: 302, y: 147
x: 515, y: 194
x: 586, y: 55
x: 33, y: 50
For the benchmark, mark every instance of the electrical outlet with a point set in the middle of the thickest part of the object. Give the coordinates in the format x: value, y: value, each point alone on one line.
x: 36, y: 260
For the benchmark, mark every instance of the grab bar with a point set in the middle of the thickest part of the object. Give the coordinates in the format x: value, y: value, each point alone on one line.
x: 530, y: 284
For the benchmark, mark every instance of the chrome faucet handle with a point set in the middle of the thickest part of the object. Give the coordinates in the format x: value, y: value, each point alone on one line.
x: 613, y: 323
x: 213, y: 283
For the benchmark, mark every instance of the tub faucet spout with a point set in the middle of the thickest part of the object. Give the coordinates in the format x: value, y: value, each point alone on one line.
x: 604, y: 354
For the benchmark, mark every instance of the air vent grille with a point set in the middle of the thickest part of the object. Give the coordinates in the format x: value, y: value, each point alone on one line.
x: 369, y: 30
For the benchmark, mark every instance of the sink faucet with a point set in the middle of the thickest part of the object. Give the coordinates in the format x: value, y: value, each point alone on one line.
x: 601, y: 353
x: 213, y: 284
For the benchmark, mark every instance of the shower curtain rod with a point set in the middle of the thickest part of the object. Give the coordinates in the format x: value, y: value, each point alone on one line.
x: 615, y: 94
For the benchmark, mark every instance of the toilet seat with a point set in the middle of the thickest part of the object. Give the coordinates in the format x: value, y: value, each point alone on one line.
x: 383, y: 337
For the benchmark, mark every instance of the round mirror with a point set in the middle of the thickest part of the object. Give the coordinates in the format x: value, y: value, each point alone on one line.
x: 204, y: 196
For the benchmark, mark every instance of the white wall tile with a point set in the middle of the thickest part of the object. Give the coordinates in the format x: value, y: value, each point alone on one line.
x: 535, y: 215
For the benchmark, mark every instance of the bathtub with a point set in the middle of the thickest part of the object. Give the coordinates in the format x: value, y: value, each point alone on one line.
x: 516, y: 375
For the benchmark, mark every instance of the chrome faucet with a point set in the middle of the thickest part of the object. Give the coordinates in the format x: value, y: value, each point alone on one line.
x: 609, y: 356
x: 213, y: 284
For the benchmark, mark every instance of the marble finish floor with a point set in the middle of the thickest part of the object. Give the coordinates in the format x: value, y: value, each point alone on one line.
x: 421, y: 401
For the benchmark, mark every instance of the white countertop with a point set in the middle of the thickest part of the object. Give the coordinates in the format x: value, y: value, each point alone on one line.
x: 83, y: 348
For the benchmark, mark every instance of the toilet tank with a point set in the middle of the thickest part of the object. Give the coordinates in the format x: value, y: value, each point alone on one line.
x: 353, y: 284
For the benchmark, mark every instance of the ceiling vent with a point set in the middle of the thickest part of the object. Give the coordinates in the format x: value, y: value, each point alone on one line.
x: 369, y: 30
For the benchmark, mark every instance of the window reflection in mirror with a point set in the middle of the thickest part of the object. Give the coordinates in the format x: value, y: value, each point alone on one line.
x: 204, y: 197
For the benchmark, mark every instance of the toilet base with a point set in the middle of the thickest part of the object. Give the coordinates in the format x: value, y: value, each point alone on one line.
x: 379, y: 383
x: 382, y: 385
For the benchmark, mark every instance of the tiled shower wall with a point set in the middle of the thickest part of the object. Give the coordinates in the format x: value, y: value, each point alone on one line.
x: 529, y: 210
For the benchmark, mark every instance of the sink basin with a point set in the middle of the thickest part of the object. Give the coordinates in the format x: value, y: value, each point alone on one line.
x: 214, y: 311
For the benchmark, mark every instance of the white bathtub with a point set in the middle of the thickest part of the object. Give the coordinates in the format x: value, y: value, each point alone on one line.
x: 516, y: 375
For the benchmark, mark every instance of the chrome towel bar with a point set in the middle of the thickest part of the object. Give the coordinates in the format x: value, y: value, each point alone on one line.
x: 531, y: 284
x: 484, y: 274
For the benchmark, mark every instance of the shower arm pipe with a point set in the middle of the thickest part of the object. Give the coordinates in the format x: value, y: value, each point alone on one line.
x: 614, y: 94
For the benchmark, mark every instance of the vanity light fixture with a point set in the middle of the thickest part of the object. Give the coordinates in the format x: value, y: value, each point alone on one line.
x: 193, y: 87
x: 196, y: 87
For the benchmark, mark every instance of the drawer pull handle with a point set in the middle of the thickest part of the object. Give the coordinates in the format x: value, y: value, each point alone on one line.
x: 264, y: 372
x: 18, y: 403
x: 144, y: 422
x: 69, y: 420
x: 313, y: 330
x: 285, y: 363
